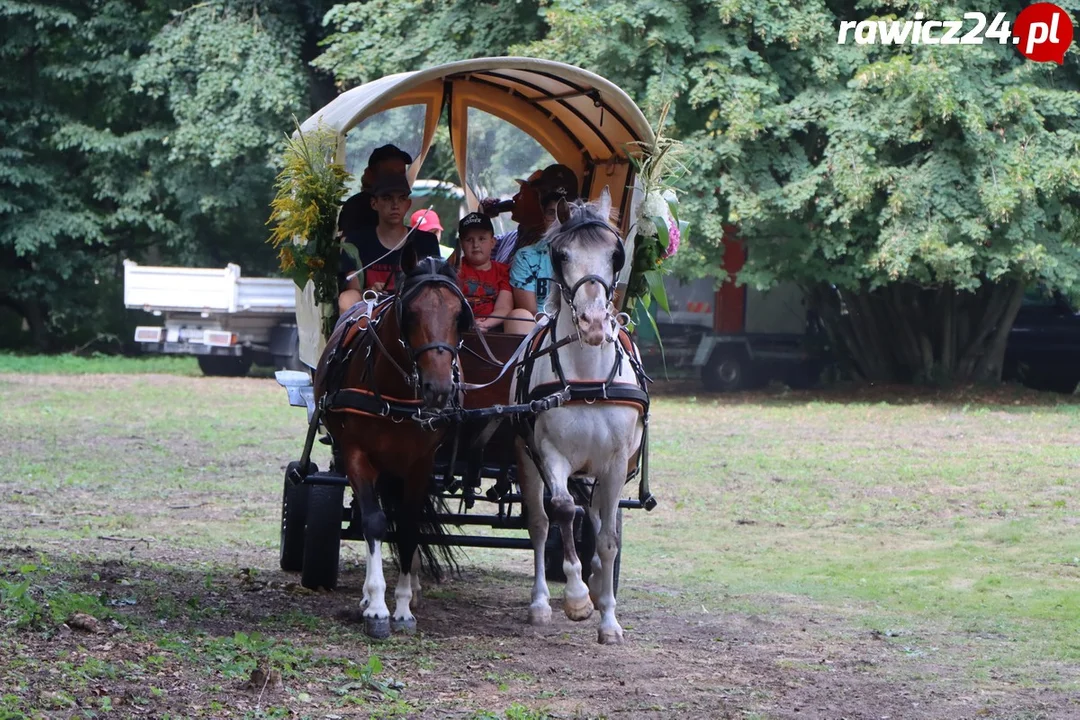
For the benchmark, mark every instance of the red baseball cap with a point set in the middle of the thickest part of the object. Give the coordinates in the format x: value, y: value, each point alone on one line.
x: 428, y: 222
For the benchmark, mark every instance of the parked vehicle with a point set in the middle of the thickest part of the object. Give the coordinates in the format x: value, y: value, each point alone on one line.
x: 735, y: 337
x: 227, y: 321
x: 1043, y: 350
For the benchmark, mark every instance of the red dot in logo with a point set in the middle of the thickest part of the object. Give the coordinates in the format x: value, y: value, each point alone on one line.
x: 1043, y: 32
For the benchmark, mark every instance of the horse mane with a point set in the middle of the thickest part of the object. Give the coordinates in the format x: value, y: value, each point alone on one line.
x: 428, y: 266
x: 424, y: 267
x: 586, y: 225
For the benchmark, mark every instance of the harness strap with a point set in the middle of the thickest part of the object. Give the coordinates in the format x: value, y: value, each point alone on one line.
x: 593, y: 391
x: 520, y: 355
x: 369, y: 402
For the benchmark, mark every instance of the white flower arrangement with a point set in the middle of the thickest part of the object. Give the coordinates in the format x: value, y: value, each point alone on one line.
x: 658, y: 229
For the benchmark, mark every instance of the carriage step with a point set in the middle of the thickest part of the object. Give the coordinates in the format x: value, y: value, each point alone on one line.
x: 326, y: 478
x: 478, y: 541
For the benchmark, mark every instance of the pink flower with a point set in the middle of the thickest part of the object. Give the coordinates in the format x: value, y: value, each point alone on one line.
x: 673, y: 238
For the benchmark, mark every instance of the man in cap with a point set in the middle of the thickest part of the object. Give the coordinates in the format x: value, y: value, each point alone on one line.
x: 427, y: 220
x: 356, y: 211
x: 379, y: 247
x: 530, y: 208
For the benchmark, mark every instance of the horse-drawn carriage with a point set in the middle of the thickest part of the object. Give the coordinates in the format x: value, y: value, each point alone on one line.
x: 528, y: 391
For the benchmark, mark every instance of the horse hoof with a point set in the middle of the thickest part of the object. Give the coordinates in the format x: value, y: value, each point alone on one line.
x: 406, y: 626
x: 539, y: 616
x: 578, y: 610
x: 377, y: 627
x: 608, y: 636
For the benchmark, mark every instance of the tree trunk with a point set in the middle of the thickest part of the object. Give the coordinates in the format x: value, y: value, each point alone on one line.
x: 904, y: 333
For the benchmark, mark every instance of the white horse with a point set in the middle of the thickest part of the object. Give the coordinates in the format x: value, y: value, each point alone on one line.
x: 596, y: 438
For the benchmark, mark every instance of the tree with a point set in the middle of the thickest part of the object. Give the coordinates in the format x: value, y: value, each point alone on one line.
x: 73, y: 173
x: 139, y: 130
x: 914, y: 191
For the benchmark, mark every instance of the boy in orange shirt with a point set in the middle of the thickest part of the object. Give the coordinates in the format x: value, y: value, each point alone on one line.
x: 485, y: 283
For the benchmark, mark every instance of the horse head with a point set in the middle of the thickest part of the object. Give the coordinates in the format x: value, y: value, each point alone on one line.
x: 587, y: 254
x: 432, y: 315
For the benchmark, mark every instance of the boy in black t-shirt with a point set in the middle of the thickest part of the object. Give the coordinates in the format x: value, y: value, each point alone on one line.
x: 379, y: 246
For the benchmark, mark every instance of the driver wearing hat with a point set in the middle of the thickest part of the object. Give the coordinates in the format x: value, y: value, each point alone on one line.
x: 539, y: 190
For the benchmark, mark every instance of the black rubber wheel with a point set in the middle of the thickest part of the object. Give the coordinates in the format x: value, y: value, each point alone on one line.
x: 224, y: 365
x: 618, y: 555
x: 293, y: 516
x: 726, y: 371
x: 322, y: 536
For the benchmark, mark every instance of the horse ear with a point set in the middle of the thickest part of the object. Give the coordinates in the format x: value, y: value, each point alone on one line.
x: 562, y: 211
x: 605, y: 203
x: 409, y: 258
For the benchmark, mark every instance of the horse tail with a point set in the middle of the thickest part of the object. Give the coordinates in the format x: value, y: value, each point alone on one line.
x: 437, y: 558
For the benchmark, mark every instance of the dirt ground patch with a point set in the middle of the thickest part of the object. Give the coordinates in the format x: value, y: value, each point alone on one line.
x: 150, y: 505
x: 171, y: 636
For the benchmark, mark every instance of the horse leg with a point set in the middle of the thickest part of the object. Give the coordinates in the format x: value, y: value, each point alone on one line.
x: 417, y: 597
x: 403, y: 620
x: 373, y: 522
x: 605, y: 503
x: 414, y: 498
x: 576, y: 602
x: 532, y: 491
x: 594, y: 576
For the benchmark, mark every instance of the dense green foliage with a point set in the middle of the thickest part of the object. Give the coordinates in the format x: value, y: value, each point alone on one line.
x: 137, y: 130
x: 913, y: 191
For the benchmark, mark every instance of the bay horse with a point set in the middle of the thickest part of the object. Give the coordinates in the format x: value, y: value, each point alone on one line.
x: 386, y: 363
x: 599, y: 432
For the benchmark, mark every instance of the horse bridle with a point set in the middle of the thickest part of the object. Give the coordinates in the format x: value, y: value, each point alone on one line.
x: 609, y: 287
x: 409, y: 289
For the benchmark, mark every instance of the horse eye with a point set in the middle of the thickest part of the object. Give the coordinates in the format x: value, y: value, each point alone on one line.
x: 562, y: 256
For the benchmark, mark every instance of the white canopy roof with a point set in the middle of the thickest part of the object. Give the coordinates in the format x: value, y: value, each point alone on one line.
x: 584, y: 121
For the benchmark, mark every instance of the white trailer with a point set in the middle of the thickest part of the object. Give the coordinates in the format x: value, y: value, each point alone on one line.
x: 228, y: 321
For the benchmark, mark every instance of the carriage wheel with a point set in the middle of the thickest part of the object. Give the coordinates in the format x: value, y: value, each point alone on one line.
x: 293, y: 515
x: 727, y: 370
x: 586, y: 547
x: 224, y: 365
x: 322, y: 536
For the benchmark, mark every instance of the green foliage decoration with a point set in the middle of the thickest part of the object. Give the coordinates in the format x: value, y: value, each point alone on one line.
x: 304, y: 213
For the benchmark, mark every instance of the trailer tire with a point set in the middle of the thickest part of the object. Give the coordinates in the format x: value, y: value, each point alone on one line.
x: 322, y: 536
x: 224, y: 365
x: 293, y: 517
x: 727, y: 370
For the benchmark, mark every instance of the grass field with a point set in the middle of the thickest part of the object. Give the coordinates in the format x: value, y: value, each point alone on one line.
x: 870, y: 555
x: 98, y: 364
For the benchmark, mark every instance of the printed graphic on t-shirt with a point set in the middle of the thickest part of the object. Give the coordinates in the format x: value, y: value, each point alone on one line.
x: 482, y: 287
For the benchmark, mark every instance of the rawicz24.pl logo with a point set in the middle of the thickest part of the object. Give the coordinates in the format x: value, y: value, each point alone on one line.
x: 1042, y: 32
